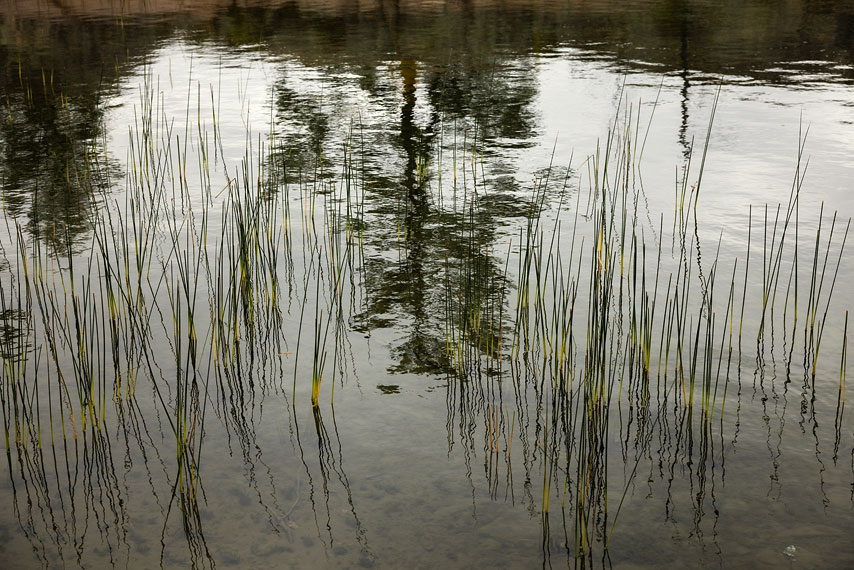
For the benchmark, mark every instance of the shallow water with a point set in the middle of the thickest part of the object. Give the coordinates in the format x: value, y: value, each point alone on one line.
x: 389, y: 158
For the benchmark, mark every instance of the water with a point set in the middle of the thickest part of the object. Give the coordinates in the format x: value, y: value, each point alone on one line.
x: 407, y: 145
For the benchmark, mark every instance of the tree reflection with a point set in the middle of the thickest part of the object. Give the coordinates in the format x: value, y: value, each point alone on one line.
x: 449, y: 116
x: 49, y: 167
x: 422, y: 114
x: 58, y: 73
x: 57, y: 78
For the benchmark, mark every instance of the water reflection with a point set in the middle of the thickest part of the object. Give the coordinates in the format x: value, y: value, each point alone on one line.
x: 404, y: 164
x: 46, y: 169
x: 58, y: 77
x: 69, y: 494
x: 56, y: 98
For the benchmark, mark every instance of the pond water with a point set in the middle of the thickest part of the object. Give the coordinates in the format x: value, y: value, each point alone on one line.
x: 426, y: 284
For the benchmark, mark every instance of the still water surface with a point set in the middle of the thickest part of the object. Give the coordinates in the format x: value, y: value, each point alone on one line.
x: 402, y: 149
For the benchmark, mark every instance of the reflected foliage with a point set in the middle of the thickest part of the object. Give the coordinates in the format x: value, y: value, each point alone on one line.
x: 186, y: 337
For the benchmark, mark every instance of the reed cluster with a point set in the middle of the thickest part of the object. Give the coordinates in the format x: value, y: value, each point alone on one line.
x: 621, y: 330
x: 200, y: 287
x: 178, y: 299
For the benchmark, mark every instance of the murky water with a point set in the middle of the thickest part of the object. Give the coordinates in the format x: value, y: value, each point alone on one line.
x: 573, y: 276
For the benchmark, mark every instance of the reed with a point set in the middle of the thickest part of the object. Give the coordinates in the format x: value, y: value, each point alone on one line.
x: 604, y: 332
x: 187, y: 292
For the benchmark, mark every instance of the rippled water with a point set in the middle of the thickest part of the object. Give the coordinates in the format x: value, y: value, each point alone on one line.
x: 358, y: 189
